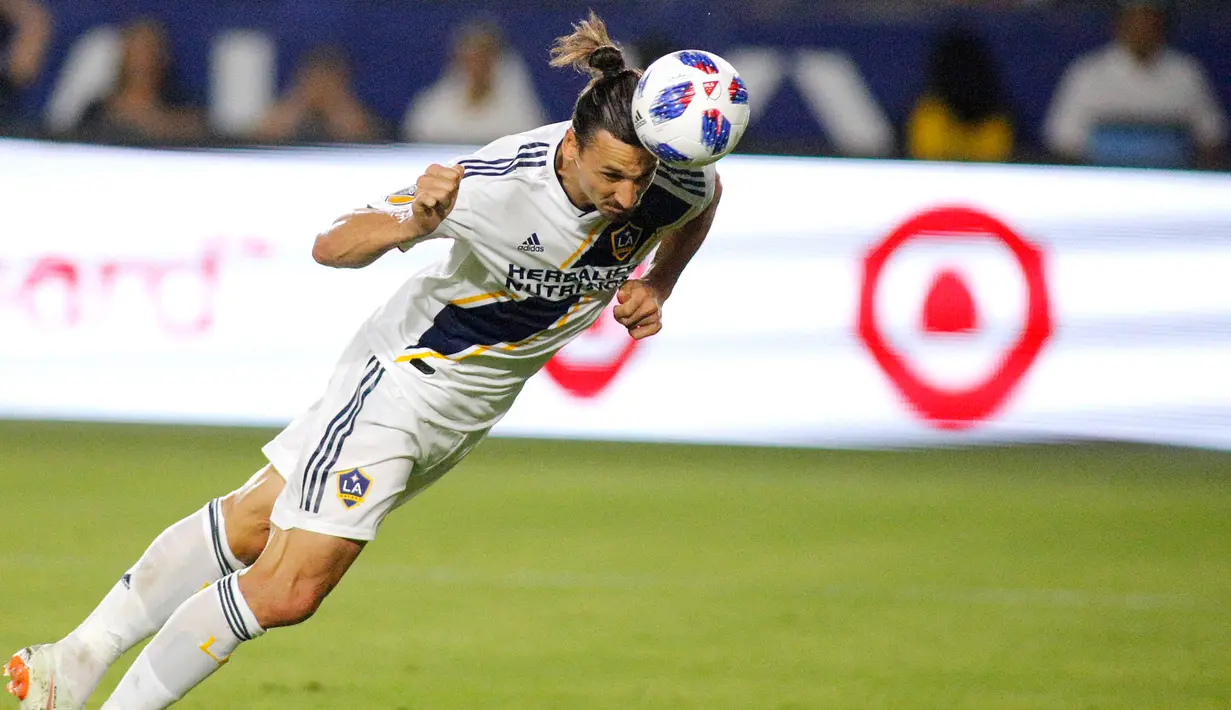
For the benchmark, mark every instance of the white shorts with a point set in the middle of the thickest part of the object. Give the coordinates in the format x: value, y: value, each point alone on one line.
x: 359, y: 452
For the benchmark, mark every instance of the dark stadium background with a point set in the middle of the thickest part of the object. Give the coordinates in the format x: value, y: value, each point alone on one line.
x: 624, y: 574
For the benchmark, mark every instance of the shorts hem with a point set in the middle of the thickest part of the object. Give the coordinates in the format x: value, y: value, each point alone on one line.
x: 278, y: 455
x: 288, y: 520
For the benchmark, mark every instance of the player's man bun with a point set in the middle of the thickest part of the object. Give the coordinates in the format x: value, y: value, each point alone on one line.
x: 589, y: 50
x: 608, y: 60
x: 606, y: 102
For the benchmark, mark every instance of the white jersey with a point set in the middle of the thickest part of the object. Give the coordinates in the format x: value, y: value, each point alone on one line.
x: 527, y: 273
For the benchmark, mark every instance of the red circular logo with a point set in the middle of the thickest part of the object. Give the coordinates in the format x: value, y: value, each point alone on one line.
x: 947, y: 407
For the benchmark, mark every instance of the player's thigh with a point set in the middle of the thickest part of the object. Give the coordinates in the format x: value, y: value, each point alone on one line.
x: 247, y: 510
x: 389, y: 456
x: 368, y: 452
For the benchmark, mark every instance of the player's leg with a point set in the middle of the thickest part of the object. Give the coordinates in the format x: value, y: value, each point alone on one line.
x: 320, y: 522
x: 370, y: 453
x: 219, y: 539
x: 285, y: 586
x: 246, y: 511
x: 222, y: 538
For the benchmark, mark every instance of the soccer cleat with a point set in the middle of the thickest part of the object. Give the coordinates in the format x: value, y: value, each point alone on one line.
x: 32, y: 679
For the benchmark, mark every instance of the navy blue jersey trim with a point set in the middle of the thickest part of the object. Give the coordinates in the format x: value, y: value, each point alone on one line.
x: 456, y: 328
x: 491, y: 172
x: 685, y: 180
x: 683, y: 172
x: 680, y: 184
x: 529, y: 150
x: 503, y: 162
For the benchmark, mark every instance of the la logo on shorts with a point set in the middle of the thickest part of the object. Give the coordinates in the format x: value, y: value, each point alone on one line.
x: 353, y: 487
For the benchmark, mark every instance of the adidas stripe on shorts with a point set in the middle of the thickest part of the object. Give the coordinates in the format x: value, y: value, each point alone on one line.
x: 359, y: 452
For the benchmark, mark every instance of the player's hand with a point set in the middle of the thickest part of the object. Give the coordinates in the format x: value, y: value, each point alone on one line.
x: 639, y: 309
x: 435, y: 194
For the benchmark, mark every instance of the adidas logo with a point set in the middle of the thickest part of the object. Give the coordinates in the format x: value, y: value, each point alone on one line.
x: 532, y: 243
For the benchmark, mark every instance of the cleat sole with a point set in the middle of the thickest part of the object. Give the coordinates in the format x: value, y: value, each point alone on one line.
x: 19, y: 673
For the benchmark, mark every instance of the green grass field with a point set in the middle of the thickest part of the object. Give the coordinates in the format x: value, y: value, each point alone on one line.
x: 584, y: 576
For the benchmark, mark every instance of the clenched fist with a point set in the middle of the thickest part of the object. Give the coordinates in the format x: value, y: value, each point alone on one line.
x: 639, y: 309
x: 435, y: 194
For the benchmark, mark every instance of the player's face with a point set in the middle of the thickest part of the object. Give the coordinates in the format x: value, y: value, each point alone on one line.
x: 1143, y: 29
x: 145, y: 52
x: 614, y: 175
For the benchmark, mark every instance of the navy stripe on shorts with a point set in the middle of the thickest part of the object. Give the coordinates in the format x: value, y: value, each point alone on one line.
x: 337, y: 450
x: 312, y: 474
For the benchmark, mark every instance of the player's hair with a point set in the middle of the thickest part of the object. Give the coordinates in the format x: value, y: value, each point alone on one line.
x: 606, y: 102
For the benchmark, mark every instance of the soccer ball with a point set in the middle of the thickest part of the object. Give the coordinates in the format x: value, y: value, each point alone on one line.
x: 690, y: 108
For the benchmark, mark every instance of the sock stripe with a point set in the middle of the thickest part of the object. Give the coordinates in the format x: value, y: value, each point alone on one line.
x: 226, y: 612
x: 230, y: 610
x: 237, y: 624
x: 232, y: 590
x: 215, y: 517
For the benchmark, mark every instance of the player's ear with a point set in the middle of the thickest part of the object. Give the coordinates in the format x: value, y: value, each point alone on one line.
x: 569, y: 145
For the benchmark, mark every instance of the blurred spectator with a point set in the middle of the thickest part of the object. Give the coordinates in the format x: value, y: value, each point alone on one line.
x: 486, y: 93
x: 963, y: 114
x: 321, y: 106
x: 25, y: 28
x: 1137, y: 101
x: 144, y: 106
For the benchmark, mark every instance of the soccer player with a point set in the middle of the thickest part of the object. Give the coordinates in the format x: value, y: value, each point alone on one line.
x: 547, y: 227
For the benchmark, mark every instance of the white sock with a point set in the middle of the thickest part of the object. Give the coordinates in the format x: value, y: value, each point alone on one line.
x: 198, y: 638
x: 185, y: 557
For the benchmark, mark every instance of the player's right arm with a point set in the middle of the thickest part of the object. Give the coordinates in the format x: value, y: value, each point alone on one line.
x: 361, y: 237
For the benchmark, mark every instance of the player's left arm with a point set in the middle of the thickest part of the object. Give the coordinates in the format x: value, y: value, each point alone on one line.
x: 640, y: 300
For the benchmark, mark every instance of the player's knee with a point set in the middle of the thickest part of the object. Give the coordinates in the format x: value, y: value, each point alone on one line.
x: 291, y: 607
x: 246, y: 514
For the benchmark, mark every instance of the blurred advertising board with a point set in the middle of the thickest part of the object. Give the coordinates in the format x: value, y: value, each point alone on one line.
x: 835, y: 303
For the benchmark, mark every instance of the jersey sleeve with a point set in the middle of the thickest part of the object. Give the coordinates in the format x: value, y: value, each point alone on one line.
x: 498, y: 157
x: 1209, y: 123
x: 1073, y: 109
x: 400, y: 203
x: 695, y: 186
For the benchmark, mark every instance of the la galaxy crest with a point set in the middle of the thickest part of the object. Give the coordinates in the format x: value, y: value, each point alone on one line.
x: 624, y: 241
x: 353, y: 487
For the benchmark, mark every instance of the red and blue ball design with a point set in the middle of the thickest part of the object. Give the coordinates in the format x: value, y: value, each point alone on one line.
x: 699, y: 61
x: 671, y: 102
